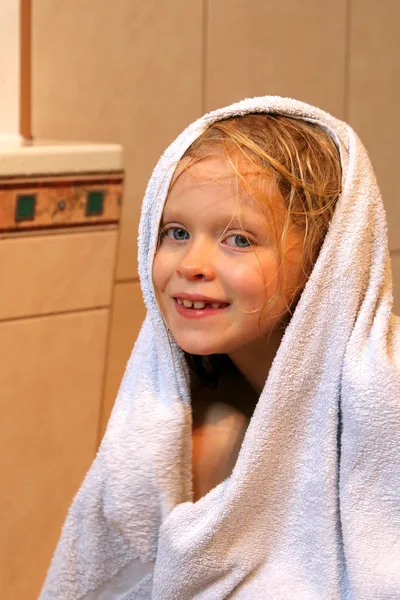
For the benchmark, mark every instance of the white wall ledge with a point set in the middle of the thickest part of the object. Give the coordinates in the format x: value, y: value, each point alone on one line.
x: 48, y: 157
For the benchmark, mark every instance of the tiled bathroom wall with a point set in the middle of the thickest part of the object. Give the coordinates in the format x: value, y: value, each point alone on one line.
x: 286, y: 48
x: 48, y: 434
x: 58, y: 238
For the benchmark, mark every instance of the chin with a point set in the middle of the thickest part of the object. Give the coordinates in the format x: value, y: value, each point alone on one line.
x: 201, y: 348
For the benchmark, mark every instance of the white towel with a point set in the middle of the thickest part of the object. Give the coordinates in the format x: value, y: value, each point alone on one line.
x: 311, y: 510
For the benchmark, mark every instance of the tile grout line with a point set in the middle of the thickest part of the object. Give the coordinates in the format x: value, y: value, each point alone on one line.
x: 107, y: 346
x: 71, y: 311
x: 204, y: 58
x: 127, y: 280
x: 346, y: 99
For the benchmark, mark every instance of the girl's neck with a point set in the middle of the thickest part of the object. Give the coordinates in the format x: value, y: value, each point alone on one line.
x: 254, y: 360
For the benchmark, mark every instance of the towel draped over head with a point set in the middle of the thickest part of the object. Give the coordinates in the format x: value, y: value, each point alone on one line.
x: 312, y: 508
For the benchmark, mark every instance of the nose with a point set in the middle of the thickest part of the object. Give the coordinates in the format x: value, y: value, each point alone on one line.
x: 199, y: 271
x: 196, y: 263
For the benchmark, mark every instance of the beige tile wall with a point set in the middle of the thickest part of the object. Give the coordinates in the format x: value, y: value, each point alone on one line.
x: 51, y: 372
x: 127, y: 317
x: 373, y: 94
x: 286, y: 48
x: 75, y: 271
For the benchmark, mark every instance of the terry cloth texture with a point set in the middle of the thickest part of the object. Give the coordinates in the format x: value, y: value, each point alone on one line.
x: 312, y: 508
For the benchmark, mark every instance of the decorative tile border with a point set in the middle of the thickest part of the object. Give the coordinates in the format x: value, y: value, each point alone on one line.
x: 60, y: 201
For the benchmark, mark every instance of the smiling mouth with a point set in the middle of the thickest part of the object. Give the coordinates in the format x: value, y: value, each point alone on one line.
x: 199, y: 304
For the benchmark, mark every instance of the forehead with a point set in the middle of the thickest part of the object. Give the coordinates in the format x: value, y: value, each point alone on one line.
x: 215, y: 184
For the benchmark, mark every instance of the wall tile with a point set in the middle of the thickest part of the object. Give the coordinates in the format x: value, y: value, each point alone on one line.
x: 59, y: 272
x: 51, y: 373
x: 374, y: 88
x: 10, y: 48
x: 129, y: 74
x: 285, y: 48
x: 128, y: 312
x: 396, y: 282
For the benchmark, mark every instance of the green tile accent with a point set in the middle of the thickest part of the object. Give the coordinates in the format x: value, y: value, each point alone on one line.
x: 94, y: 202
x: 25, y: 207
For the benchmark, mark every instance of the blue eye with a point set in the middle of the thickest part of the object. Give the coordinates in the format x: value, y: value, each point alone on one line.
x: 177, y: 233
x: 240, y: 241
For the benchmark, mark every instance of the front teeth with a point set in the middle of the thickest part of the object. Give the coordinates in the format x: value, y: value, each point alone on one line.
x: 190, y: 304
x: 197, y: 304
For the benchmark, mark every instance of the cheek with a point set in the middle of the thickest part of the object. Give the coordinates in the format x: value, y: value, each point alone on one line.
x: 254, y: 282
x: 161, y: 271
x: 271, y: 276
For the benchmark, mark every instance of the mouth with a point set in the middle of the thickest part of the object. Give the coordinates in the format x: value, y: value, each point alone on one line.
x: 200, y: 304
x: 195, y: 309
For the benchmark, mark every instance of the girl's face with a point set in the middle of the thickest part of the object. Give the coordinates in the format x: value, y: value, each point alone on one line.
x: 218, y: 252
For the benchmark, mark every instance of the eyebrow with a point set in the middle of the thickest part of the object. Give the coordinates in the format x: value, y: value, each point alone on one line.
x: 221, y: 222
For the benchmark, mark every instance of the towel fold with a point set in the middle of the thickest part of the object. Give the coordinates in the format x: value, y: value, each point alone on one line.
x: 312, y: 508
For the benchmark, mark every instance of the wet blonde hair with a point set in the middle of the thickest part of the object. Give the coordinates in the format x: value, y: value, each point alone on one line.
x: 299, y: 157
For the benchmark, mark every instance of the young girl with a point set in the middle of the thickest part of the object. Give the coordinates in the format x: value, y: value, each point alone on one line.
x: 253, y: 451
